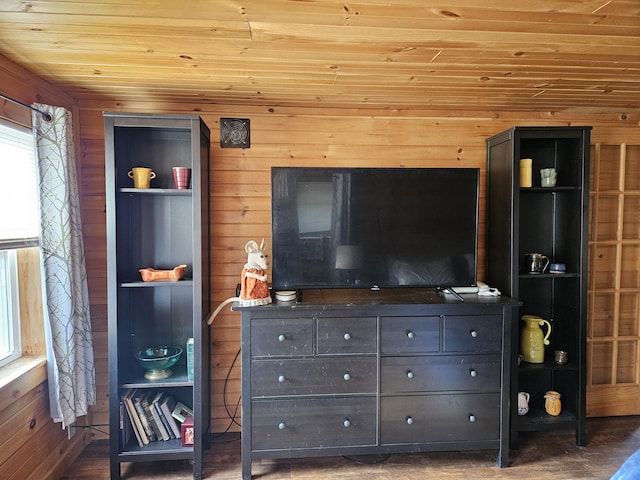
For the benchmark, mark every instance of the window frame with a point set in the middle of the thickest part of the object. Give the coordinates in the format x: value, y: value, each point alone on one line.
x: 10, y: 325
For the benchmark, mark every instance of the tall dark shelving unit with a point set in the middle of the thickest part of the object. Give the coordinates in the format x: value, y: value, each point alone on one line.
x: 552, y: 221
x: 159, y: 227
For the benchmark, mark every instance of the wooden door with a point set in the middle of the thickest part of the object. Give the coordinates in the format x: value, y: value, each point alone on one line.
x: 613, y: 341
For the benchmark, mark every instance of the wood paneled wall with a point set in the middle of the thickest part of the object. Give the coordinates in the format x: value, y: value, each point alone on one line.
x: 240, y: 200
x: 33, y: 447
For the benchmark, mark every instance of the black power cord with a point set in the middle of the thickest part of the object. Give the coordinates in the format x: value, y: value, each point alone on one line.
x: 232, y: 415
x: 224, y: 393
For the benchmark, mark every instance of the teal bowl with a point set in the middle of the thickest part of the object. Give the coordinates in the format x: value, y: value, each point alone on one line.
x: 157, y: 361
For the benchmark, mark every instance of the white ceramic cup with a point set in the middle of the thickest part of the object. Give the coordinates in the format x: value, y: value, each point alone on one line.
x: 523, y: 403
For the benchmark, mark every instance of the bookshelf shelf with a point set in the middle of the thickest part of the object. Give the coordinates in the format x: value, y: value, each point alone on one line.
x: 158, y: 227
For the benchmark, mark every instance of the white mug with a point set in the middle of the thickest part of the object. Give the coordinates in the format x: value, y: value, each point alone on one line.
x: 523, y: 403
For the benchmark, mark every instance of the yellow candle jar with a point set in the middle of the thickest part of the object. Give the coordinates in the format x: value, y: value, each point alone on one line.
x: 526, y: 169
x: 552, y: 403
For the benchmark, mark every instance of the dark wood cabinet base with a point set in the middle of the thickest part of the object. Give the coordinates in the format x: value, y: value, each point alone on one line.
x: 391, y: 372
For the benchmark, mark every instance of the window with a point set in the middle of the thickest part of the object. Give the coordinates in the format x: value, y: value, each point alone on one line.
x: 19, y: 211
x: 19, y: 218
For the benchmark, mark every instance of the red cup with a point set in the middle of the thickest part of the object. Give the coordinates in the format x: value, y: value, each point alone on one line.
x: 181, y: 177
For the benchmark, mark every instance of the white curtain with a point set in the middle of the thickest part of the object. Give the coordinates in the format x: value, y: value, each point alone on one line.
x: 67, y: 319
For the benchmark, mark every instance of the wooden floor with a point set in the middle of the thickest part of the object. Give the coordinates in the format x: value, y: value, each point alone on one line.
x: 541, y: 456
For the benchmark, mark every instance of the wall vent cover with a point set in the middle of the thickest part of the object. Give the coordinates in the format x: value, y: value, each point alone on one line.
x: 235, y: 133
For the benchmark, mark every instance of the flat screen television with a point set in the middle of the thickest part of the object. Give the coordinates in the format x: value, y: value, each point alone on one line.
x: 374, y: 227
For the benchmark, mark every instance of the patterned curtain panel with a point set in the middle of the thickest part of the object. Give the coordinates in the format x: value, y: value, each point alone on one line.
x: 68, y: 322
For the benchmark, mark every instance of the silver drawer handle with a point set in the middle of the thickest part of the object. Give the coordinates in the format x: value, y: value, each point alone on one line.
x: 281, y: 378
x: 346, y: 423
x: 281, y: 426
x: 347, y: 336
x: 347, y: 377
x: 409, y: 374
x: 474, y: 333
x: 281, y: 338
x: 473, y: 372
x: 472, y: 418
x: 410, y: 334
x: 409, y: 421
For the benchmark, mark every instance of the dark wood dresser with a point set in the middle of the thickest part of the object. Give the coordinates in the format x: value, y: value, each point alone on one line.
x: 344, y: 372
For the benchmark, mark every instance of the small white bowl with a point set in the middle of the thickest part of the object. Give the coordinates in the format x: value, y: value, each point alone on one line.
x: 286, y: 296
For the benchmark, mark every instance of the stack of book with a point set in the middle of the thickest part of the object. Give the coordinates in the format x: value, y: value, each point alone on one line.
x: 151, y: 416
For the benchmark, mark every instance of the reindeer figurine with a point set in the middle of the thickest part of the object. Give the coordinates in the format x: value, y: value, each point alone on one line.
x: 254, y: 289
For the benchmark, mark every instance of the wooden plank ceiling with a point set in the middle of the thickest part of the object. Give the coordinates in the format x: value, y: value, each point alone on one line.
x: 501, y: 55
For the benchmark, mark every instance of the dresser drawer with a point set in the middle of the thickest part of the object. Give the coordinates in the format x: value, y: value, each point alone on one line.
x: 480, y: 333
x: 281, y: 337
x: 310, y: 376
x: 440, y: 418
x: 313, y: 423
x: 440, y: 373
x: 409, y: 334
x: 347, y: 335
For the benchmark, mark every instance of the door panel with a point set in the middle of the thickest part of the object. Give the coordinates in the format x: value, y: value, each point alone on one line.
x: 613, y: 343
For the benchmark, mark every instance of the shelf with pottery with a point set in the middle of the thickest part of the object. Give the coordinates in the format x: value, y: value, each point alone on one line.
x: 539, y: 377
x: 167, y: 283
x: 157, y: 271
x: 537, y: 418
x: 178, y: 379
x: 546, y: 276
x: 155, y: 191
x: 557, y: 188
x: 547, y: 365
x: 537, y: 200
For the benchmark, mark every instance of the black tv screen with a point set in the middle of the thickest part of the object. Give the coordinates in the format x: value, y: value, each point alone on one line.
x: 374, y: 227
